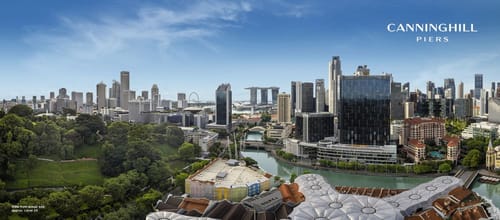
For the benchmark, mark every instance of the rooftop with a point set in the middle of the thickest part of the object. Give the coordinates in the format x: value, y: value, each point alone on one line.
x: 419, y: 120
x: 235, y: 175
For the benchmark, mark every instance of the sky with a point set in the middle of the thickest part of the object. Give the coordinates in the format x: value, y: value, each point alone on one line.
x: 193, y: 46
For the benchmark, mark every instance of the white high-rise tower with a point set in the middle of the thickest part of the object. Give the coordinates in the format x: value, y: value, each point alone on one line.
x: 333, y: 76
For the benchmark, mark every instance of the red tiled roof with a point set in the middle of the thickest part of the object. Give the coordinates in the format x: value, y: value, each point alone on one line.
x: 414, y: 121
x: 290, y: 192
x: 416, y: 143
x: 198, y: 204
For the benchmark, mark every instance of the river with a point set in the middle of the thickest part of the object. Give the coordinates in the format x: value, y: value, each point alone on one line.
x: 284, y: 170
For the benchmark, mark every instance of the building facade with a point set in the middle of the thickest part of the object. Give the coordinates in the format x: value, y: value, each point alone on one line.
x: 223, y: 105
x: 313, y: 127
x: 364, y: 109
x: 284, y: 108
x: 423, y: 129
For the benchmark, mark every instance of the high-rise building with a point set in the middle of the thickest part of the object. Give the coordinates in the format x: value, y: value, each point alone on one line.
x: 223, y: 105
x: 253, y: 95
x: 449, y: 83
x: 63, y: 94
x: 284, y: 108
x: 263, y: 96
x: 181, y: 96
x: 304, y: 101
x: 430, y: 90
x: 124, y: 89
x: 409, y: 109
x: 155, y: 97
x: 320, y: 95
x: 52, y: 95
x: 313, y: 127
x: 364, y: 109
x: 114, y: 91
x: 478, y: 85
x: 33, y: 102
x: 131, y: 95
x: 397, y: 106
x: 274, y: 94
x: 493, y: 89
x: 293, y: 96
x: 461, y: 90
x: 89, y: 98
x: 144, y: 94
x: 78, y: 98
x: 101, y: 96
x: 333, y: 77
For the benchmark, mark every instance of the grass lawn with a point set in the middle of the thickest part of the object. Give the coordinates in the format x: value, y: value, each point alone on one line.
x: 56, y: 174
x: 89, y: 151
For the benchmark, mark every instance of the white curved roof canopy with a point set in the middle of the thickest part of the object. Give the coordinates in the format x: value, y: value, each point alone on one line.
x: 324, y: 202
x: 172, y: 216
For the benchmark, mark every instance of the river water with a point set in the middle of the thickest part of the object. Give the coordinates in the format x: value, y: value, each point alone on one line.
x: 284, y: 170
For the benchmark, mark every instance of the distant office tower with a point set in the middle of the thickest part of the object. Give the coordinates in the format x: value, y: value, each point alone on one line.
x: 263, y: 96
x: 430, y: 91
x: 115, y: 92
x: 181, y: 101
x: 313, y: 127
x: 101, y: 96
x: 181, y: 96
x: 450, y: 84
x: 284, y: 108
x: 304, y: 97
x: 131, y: 95
x: 293, y: 96
x: 406, y: 91
x: 463, y: 108
x: 42, y: 98
x: 333, y: 77
x: 409, y: 109
x: 478, y: 85
x: 144, y: 94
x: 223, y: 105
x: 253, y: 95
x: 63, y: 94
x: 364, y: 109
x: 124, y: 89
x: 320, y: 95
x: 461, y: 90
x: 274, y: 94
x: 493, y: 87
x: 52, y: 95
x: 406, y: 86
x: 89, y: 98
x: 397, y: 106
x: 155, y: 97
x: 78, y: 98
x: 33, y: 102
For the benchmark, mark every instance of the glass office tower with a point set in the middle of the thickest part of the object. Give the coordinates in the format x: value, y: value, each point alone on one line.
x: 365, y: 109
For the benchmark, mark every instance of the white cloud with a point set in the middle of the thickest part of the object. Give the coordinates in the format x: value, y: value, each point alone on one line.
x: 158, y: 26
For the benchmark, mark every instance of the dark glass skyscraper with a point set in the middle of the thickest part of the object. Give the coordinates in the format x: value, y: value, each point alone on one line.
x: 313, y: 127
x: 293, y: 96
x: 450, y: 84
x: 365, y: 109
x: 223, y: 105
x: 478, y: 85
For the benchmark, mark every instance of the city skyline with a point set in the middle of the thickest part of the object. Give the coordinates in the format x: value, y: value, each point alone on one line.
x: 195, y: 46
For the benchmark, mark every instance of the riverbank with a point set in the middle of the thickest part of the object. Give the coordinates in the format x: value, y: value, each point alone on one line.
x: 356, y: 172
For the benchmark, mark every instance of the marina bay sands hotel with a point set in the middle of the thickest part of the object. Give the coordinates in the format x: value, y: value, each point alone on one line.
x: 263, y: 95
